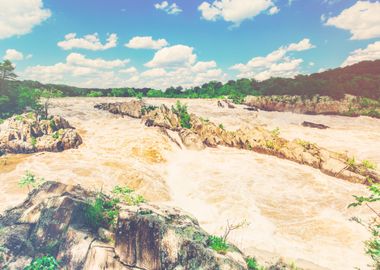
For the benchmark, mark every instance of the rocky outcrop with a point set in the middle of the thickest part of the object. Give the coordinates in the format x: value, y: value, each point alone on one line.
x: 314, y: 125
x: 205, y: 133
x: 54, y: 220
x: 132, y: 108
x: 26, y: 133
x: 348, y: 106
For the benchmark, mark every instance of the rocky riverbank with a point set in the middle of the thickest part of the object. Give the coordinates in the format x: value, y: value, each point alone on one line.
x: 348, y: 106
x: 26, y: 133
x: 202, y: 132
x: 67, y: 224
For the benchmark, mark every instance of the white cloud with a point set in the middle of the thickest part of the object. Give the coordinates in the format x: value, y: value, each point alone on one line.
x: 18, y: 17
x: 146, y: 43
x: 13, y: 55
x: 156, y: 72
x: 172, y: 9
x: 275, y: 64
x: 77, y: 59
x: 203, y: 66
x: 235, y: 11
x: 274, y: 10
x: 89, y: 42
x: 174, y: 56
x: 372, y: 52
x: 130, y: 70
x: 362, y: 20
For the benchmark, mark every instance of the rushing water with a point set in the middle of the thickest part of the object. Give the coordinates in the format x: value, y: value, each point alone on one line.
x: 290, y: 209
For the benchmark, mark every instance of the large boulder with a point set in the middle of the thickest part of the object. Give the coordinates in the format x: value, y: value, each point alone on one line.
x: 131, y: 108
x: 52, y: 221
x: 27, y: 133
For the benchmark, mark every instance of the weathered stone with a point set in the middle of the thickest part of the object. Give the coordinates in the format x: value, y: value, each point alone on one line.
x: 314, y: 125
x: 190, y: 139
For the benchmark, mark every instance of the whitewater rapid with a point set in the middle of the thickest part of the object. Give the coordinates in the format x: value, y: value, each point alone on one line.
x: 289, y: 209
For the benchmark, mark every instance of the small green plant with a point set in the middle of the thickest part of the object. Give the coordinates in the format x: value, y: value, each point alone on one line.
x: 43, y: 263
x: 372, y: 246
x: 368, y: 164
x: 1, y: 121
x: 221, y: 126
x: 181, y: 111
x: 55, y: 135
x: 351, y: 162
x: 218, y: 244
x: 276, y: 132
x: 147, y: 108
x: 52, y: 124
x: 236, y: 98
x: 139, y: 96
x: 19, y: 117
x: 269, y: 144
x: 29, y: 180
x: 252, y: 264
x: 102, y: 212
x: 33, y: 141
x: 127, y: 195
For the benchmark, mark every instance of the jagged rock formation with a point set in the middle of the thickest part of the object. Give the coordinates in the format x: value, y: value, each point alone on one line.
x: 132, y: 108
x: 53, y: 221
x: 27, y: 134
x: 348, y: 106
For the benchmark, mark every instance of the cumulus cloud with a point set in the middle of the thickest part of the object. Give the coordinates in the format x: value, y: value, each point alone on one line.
x: 88, y: 42
x: 172, y: 9
x: 174, y: 56
x: 80, y: 71
x: 372, y: 52
x: 146, y: 43
x: 274, y: 10
x: 275, y: 64
x: 130, y: 70
x: 18, y: 17
x: 235, y: 11
x: 13, y: 55
x: 362, y: 20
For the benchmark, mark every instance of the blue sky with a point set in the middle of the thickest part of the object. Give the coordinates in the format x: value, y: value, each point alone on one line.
x: 151, y: 43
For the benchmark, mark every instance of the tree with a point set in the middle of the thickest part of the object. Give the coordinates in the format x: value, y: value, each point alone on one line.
x: 47, y: 95
x: 7, y: 71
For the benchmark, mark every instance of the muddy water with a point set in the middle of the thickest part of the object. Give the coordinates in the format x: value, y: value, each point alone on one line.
x: 289, y: 209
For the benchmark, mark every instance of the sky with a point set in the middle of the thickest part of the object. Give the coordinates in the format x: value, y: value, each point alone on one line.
x: 155, y: 43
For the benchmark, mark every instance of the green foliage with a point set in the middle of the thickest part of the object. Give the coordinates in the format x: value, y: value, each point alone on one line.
x: 139, y: 96
x: 127, y: 195
x: 218, y: 244
x: 237, y: 98
x: 55, y: 135
x: 43, y: 263
x: 94, y: 93
x: 181, y: 111
x: 33, y: 141
x: 102, y: 212
x: 351, y: 162
x: 372, y: 246
x: 29, y: 180
x: 147, y: 108
x: 252, y: 264
x: 221, y: 126
x: 276, y: 132
x: 368, y: 164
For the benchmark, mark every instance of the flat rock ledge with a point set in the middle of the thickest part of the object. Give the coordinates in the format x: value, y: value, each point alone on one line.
x: 204, y: 133
x: 26, y: 133
x: 148, y: 236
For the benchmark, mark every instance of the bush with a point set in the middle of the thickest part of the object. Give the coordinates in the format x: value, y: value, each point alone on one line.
x: 368, y: 164
x: 127, y: 195
x: 237, y: 99
x: 218, y: 244
x: 252, y: 264
x: 102, y: 212
x: 95, y: 94
x: 29, y: 180
x: 181, y: 111
x: 147, y: 108
x: 43, y: 263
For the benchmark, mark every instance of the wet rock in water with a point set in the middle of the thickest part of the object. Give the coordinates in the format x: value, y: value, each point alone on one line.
x: 162, y: 117
x: 131, y: 108
x: 220, y: 104
x: 53, y: 221
x: 229, y: 104
x: 314, y: 125
x: 191, y: 140
x: 26, y: 133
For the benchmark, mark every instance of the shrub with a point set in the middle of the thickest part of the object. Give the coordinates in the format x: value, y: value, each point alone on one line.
x: 181, y: 111
x: 127, y: 195
x: 95, y: 94
x: 276, y: 132
x: 43, y: 263
x: 102, y: 212
x: 55, y: 135
x: 372, y: 246
x: 252, y: 264
x: 221, y: 126
x: 147, y: 108
x: 368, y: 164
x: 218, y: 244
x: 236, y: 98
x: 351, y: 162
x: 29, y: 180
x: 33, y: 141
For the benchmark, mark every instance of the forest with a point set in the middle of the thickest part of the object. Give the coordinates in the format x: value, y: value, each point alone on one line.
x: 361, y: 79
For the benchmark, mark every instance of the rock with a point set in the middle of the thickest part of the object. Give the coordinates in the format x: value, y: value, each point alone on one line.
x: 26, y: 133
x: 131, y: 108
x: 147, y: 236
x: 220, y: 104
x: 314, y: 125
x: 229, y: 104
x: 162, y: 117
x: 191, y: 140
